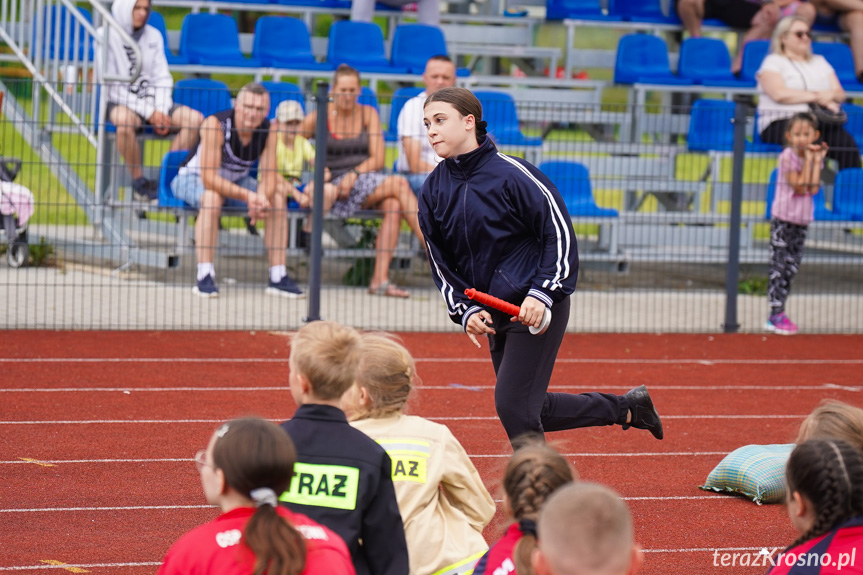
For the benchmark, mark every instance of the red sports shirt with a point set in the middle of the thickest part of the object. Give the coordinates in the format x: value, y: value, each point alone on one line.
x: 214, y: 548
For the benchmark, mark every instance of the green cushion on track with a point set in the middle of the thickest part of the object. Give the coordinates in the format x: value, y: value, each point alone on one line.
x: 756, y: 471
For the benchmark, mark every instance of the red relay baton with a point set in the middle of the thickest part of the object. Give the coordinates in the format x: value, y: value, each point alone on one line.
x: 508, y: 308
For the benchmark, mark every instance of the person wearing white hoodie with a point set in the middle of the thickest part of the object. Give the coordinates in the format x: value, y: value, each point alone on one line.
x: 147, y: 100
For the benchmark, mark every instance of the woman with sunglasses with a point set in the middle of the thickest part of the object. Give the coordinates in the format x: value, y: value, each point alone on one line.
x: 246, y: 466
x: 789, y: 80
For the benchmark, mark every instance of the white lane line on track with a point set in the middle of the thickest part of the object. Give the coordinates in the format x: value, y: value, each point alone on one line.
x: 474, y: 456
x: 647, y: 361
x: 449, y: 387
x: 164, y: 507
x: 468, y: 418
x: 129, y: 508
x: 66, y: 566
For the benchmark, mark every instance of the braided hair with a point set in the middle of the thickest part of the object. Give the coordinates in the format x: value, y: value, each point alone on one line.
x: 534, y: 471
x: 829, y: 473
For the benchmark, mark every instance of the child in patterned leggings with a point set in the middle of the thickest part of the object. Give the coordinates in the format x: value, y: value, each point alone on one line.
x: 798, y: 179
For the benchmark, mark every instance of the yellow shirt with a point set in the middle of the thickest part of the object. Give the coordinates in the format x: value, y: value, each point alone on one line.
x: 290, y: 161
x: 443, y: 530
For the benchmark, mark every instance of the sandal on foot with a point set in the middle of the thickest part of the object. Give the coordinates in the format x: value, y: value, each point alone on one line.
x: 389, y: 289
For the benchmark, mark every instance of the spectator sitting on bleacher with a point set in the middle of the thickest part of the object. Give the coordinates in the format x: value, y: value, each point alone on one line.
x: 848, y: 15
x: 147, y: 100
x: 217, y: 174
x: 428, y: 11
x: 416, y: 156
x: 355, y: 155
x: 757, y: 17
x: 294, y: 154
x: 585, y: 529
x: 789, y: 80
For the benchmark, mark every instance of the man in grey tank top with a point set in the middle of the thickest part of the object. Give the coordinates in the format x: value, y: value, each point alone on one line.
x: 217, y: 174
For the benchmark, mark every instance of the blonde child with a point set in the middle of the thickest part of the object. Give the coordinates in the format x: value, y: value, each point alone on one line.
x: 833, y: 419
x: 342, y: 479
x: 443, y: 502
x: 586, y: 529
x: 532, y: 474
x: 798, y: 179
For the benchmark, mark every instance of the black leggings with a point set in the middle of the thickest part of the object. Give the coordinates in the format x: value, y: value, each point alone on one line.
x: 786, y: 253
x: 842, y: 146
x: 523, y: 364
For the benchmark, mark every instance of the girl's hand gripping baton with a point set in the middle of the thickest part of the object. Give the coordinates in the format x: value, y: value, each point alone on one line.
x: 508, y: 308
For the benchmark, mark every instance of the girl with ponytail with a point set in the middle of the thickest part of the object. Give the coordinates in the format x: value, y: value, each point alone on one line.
x: 246, y: 466
x: 532, y: 474
x: 497, y: 224
x: 825, y: 503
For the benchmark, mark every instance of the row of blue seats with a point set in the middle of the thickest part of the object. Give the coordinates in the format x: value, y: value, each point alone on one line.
x: 639, y: 11
x: 643, y: 58
x: 711, y: 127
x: 279, y: 42
x: 209, y: 96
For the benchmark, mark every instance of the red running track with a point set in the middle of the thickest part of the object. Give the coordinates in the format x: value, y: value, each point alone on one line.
x: 97, y: 431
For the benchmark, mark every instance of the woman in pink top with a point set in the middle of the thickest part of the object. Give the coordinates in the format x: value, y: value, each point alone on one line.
x: 798, y: 179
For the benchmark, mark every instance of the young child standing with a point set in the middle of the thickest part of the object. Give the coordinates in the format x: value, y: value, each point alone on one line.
x: 798, y: 179
x: 342, y: 479
x: 825, y: 504
x: 532, y: 474
x: 443, y: 501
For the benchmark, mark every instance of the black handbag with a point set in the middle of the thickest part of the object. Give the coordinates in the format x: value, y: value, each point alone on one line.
x: 826, y: 116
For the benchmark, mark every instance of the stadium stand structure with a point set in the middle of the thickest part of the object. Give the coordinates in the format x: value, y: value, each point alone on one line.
x: 620, y: 159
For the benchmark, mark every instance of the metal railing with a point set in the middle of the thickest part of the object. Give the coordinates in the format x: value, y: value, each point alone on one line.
x: 673, y: 238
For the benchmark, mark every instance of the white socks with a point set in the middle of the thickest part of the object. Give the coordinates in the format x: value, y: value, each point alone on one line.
x: 206, y: 269
x: 276, y: 273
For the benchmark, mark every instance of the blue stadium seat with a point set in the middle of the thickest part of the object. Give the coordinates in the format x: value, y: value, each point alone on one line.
x: 821, y: 214
x: 400, y: 98
x: 710, y: 126
x: 641, y: 11
x: 573, y: 182
x: 213, y: 40
x: 157, y: 21
x: 414, y: 44
x: 361, y: 45
x: 168, y: 171
x: 499, y: 111
x: 754, y: 53
x: 707, y: 61
x: 848, y: 194
x: 854, y: 125
x: 838, y: 54
x: 54, y: 29
x: 644, y: 58
x: 577, y: 9
x: 202, y: 94
x: 284, y: 42
x: 281, y: 91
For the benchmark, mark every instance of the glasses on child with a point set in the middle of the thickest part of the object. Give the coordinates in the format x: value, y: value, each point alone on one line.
x: 201, y: 460
x: 802, y: 34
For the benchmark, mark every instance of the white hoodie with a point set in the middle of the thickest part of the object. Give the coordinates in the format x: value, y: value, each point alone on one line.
x: 152, y: 90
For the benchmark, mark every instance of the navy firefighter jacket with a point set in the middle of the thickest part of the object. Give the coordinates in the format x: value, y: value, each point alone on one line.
x: 497, y: 224
x: 342, y: 479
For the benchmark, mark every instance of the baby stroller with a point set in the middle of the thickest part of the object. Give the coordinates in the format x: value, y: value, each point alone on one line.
x: 16, y: 207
